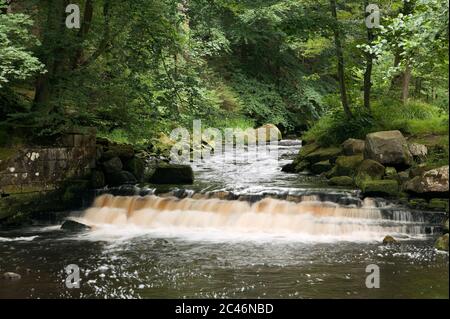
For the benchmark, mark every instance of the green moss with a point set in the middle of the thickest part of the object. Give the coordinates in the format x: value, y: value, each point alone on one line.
x: 388, y: 188
x: 369, y: 170
x: 323, y: 154
x: 321, y: 167
x: 439, y: 204
x: 348, y: 165
x: 341, y: 181
x: 442, y: 243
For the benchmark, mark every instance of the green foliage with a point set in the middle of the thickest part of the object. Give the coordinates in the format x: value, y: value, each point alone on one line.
x: 413, y: 118
x: 17, y: 62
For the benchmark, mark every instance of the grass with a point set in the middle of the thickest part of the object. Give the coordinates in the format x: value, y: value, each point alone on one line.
x: 412, y: 119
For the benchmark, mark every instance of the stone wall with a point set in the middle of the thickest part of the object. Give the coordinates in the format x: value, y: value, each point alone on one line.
x: 36, y: 171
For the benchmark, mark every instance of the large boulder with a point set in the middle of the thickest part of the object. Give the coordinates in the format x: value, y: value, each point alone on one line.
x: 120, y: 178
x: 434, y: 181
x: 136, y: 166
x: 353, y: 147
x: 113, y: 165
x: 172, y: 174
x: 388, y: 148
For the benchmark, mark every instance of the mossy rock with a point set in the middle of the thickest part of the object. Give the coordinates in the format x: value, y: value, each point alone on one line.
x: 347, y: 165
x: 120, y: 178
x: 97, y: 179
x: 321, y: 167
x: 324, y: 154
x: 135, y: 166
x: 341, y: 181
x: 302, y: 166
x: 307, y: 149
x: 388, y: 188
x: 369, y: 170
x: 389, y: 240
x: 442, y: 243
x: 418, y: 203
x: 445, y: 226
x: 172, y: 174
x: 440, y: 204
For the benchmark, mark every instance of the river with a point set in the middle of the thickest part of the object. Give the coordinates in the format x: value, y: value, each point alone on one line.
x: 243, y: 230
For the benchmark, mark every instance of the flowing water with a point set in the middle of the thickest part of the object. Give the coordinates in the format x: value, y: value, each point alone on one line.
x: 244, y: 229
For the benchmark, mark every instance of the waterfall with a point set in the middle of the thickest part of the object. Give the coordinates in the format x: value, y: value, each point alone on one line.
x: 309, y: 218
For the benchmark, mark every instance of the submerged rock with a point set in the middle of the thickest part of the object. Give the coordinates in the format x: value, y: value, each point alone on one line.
x: 388, y: 148
x: 172, y: 174
x: 442, y: 243
x: 353, y: 147
x: 73, y: 225
x: 11, y: 276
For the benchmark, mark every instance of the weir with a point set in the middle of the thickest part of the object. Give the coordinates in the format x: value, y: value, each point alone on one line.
x: 308, y: 218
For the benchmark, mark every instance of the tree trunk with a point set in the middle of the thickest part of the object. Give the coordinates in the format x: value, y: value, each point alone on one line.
x: 84, y: 30
x: 340, y: 58
x: 54, y: 56
x: 405, y: 84
x: 369, y: 66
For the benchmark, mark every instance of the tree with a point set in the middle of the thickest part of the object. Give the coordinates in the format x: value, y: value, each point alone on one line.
x: 340, y: 59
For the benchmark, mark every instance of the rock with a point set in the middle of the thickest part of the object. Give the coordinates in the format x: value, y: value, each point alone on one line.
x: 289, y: 168
x: 353, y: 147
x: 369, y: 170
x: 389, y: 240
x: 418, y: 170
x: 347, y: 165
x: 439, y: 204
x: 446, y: 226
x: 302, y: 166
x: 321, y: 167
x: 442, y: 243
x: 324, y: 154
x: 418, y: 151
x: 11, y: 276
x: 120, y: 178
x: 418, y: 203
x: 387, y: 188
x: 270, y: 131
x: 431, y: 182
x: 97, y: 179
x: 136, y: 166
x: 73, y: 225
x: 163, y: 145
x: 391, y: 173
x: 123, y: 151
x: 172, y: 174
x: 388, y: 148
x: 341, y: 181
x: 307, y: 149
x: 403, y: 176
x: 113, y: 165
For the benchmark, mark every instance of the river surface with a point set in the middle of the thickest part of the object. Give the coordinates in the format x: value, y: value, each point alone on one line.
x: 303, y: 240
